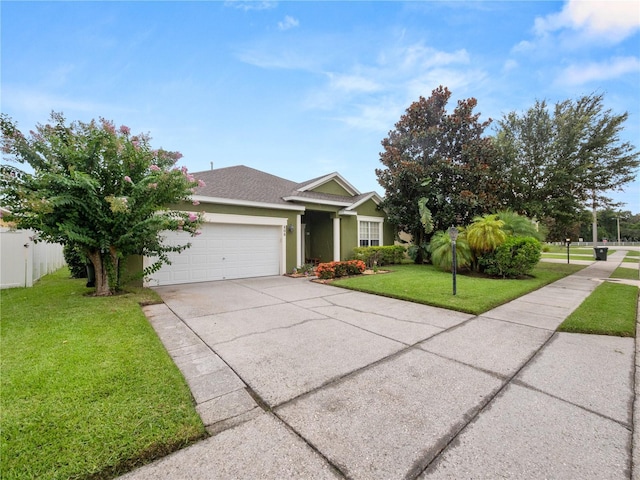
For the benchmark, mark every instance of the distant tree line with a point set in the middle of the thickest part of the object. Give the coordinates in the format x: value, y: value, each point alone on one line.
x: 549, y: 163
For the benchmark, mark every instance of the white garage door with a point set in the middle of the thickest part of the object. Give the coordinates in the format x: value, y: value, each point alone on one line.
x: 222, y: 251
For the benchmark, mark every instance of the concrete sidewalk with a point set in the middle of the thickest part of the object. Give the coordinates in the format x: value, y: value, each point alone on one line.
x: 299, y: 380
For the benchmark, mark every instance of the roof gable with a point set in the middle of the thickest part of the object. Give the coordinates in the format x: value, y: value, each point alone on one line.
x: 316, y: 184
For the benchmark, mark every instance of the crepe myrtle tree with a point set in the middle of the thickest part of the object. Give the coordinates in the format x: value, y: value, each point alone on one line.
x: 96, y: 187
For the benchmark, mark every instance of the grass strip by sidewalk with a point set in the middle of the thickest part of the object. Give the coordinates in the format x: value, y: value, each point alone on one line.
x: 87, y: 389
x: 626, y: 273
x: 474, y: 294
x: 610, y: 310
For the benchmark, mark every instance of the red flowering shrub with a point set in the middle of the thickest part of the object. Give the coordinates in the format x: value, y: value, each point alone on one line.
x: 340, y: 269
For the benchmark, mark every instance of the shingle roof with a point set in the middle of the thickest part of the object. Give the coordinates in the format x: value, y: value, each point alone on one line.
x: 244, y: 183
x: 248, y: 184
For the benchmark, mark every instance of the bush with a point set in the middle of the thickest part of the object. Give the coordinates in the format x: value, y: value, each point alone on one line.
x: 386, y: 255
x: 340, y: 269
x: 419, y: 253
x: 514, y: 258
x: 76, y: 260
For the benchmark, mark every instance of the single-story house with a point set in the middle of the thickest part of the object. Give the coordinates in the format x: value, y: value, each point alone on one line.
x: 257, y: 224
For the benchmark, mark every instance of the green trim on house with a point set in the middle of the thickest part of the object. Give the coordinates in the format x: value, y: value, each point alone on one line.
x: 332, y: 187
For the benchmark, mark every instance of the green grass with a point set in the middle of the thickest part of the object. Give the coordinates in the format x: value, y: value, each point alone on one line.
x: 87, y: 389
x: 626, y: 273
x: 572, y: 256
x: 632, y: 256
x: 563, y: 249
x: 475, y: 294
x: 610, y: 310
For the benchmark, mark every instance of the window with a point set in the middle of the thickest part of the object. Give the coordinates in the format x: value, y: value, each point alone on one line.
x: 370, y: 233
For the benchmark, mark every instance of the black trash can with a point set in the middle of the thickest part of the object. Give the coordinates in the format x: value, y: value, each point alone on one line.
x: 601, y: 253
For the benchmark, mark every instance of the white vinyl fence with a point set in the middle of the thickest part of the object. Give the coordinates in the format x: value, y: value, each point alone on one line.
x: 23, y: 261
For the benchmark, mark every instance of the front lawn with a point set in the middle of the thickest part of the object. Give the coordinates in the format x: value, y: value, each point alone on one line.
x: 87, y: 389
x: 610, y: 310
x: 475, y: 294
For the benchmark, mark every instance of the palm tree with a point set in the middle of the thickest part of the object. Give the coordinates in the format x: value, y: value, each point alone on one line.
x: 485, y: 234
x: 518, y: 226
x: 442, y: 251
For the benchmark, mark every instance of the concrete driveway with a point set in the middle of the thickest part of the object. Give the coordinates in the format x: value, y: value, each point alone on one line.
x: 300, y: 380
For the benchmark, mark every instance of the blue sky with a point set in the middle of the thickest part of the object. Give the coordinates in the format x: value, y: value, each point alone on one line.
x: 301, y: 89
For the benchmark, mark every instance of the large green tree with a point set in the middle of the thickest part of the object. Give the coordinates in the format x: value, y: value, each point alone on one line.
x: 96, y: 187
x: 560, y: 160
x: 442, y: 157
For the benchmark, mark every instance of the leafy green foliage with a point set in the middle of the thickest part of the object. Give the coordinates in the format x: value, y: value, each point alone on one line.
x: 98, y: 188
x: 519, y: 226
x: 76, y: 260
x: 516, y: 257
x: 485, y: 234
x: 426, y: 218
x: 556, y: 159
x: 384, y: 255
x: 442, y: 157
x: 441, y: 249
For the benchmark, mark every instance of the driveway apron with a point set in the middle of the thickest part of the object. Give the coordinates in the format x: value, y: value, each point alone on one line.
x: 296, y: 379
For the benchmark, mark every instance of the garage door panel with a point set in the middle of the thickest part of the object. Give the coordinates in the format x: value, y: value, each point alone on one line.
x: 223, y: 251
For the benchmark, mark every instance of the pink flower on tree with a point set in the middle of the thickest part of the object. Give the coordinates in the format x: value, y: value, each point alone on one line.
x: 201, y: 183
x: 192, y: 217
x: 154, y: 168
x: 108, y: 126
x: 127, y: 178
x: 125, y: 130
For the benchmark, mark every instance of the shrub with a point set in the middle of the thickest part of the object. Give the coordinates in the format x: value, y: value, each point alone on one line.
x: 76, y: 260
x: 419, y: 253
x: 386, y: 255
x: 514, y: 258
x: 340, y: 269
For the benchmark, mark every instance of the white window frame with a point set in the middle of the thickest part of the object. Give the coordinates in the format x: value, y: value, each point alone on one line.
x: 372, y: 223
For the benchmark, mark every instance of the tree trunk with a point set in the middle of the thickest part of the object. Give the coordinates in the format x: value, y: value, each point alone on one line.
x: 102, y: 279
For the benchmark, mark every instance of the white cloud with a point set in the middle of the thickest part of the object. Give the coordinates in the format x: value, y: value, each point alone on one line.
x: 36, y: 105
x: 611, y: 20
x: 352, y: 83
x: 596, y: 71
x: 287, y: 23
x: 510, y: 65
x: 379, y: 116
x: 289, y: 59
x: 248, y: 5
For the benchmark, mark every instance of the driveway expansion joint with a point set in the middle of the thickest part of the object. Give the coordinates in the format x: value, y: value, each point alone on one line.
x: 313, y: 415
